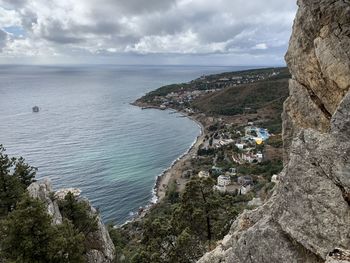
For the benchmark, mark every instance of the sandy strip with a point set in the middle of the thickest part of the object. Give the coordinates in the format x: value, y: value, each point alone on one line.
x: 176, y: 170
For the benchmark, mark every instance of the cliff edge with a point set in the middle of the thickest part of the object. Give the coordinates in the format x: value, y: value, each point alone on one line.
x: 100, y: 246
x: 307, y: 219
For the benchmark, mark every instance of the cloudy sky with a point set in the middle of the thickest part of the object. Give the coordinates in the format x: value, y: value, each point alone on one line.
x: 203, y: 32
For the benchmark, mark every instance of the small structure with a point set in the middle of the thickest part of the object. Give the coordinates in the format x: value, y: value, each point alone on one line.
x: 274, y: 178
x: 240, y: 146
x: 224, y: 180
x: 216, y: 170
x: 243, y: 190
x: 259, y: 157
x: 233, y: 171
x: 245, y: 180
x: 35, y: 109
x: 203, y: 174
x: 252, y: 158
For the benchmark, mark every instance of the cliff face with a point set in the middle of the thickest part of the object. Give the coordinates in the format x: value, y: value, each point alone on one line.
x: 308, y: 217
x: 102, y: 249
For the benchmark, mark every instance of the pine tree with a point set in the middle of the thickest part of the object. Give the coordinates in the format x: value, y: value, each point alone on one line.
x: 28, y: 236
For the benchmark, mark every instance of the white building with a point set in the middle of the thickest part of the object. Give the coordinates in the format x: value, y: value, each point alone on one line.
x: 203, y: 174
x: 219, y: 188
x: 259, y: 157
x: 274, y: 178
x: 224, y: 180
x: 240, y: 146
x: 245, y: 189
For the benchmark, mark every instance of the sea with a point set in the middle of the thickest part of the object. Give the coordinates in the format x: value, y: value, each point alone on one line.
x: 88, y: 136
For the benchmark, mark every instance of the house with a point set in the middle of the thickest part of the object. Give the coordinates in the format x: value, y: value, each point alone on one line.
x: 233, y: 170
x: 216, y: 170
x: 259, y: 156
x: 240, y: 146
x: 251, y: 158
x: 203, y: 174
x: 248, y: 157
x: 225, y: 142
x: 224, y: 180
x: 274, y: 178
x: 245, y: 180
x: 243, y: 190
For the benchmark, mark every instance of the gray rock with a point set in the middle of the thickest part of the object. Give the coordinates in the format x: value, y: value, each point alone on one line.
x: 307, y: 219
x: 43, y: 191
x: 338, y: 255
x: 102, y: 249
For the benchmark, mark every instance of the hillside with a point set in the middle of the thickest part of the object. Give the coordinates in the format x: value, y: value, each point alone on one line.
x: 307, y: 218
x: 251, y: 95
x: 247, y: 98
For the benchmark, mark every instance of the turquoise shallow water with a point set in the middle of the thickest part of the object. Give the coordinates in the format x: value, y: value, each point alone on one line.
x: 86, y: 134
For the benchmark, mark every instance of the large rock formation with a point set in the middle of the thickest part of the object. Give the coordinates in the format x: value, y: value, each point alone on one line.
x: 308, y: 217
x: 102, y: 249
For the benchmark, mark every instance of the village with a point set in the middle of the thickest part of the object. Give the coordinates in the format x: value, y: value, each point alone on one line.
x: 180, y: 96
x: 234, y: 151
x: 239, y: 147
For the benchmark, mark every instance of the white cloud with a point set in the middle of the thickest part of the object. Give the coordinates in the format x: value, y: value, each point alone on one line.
x: 9, y: 18
x: 260, y: 46
x: 105, y: 27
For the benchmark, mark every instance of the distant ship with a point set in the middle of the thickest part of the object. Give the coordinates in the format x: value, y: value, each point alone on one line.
x: 35, y: 109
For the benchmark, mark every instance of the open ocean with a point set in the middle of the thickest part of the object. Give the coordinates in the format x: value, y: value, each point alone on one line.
x: 86, y: 134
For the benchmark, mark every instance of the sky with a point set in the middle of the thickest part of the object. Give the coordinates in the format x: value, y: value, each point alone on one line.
x: 174, y: 32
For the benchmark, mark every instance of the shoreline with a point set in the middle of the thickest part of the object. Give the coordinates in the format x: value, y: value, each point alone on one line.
x: 163, y: 179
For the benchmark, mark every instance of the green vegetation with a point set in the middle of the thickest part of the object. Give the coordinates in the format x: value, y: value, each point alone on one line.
x: 78, y: 213
x: 15, y: 177
x: 247, y: 98
x: 26, y: 231
x: 258, y: 94
x: 163, y: 91
x: 185, y: 225
x: 266, y: 169
x: 27, y: 235
x: 183, y: 230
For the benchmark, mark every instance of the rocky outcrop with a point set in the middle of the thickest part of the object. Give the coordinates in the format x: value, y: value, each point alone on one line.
x: 101, y: 247
x: 43, y: 191
x: 307, y: 219
x: 319, y: 61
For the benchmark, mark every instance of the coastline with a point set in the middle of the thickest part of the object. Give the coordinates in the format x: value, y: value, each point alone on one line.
x: 174, y: 171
